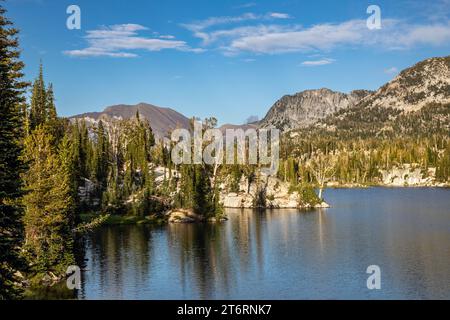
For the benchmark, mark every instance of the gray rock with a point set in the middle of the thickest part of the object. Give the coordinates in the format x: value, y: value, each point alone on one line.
x: 308, y: 107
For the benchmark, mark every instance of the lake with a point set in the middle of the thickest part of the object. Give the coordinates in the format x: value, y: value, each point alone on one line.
x: 284, y: 254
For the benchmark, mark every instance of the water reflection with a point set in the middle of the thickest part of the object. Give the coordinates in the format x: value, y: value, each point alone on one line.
x: 119, y: 255
x: 203, y: 256
x: 283, y: 254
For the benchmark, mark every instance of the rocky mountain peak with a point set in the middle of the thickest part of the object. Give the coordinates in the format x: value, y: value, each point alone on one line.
x: 308, y: 107
x: 424, y: 83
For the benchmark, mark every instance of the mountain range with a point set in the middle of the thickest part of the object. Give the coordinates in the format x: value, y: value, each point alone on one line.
x: 424, y: 84
x: 162, y: 120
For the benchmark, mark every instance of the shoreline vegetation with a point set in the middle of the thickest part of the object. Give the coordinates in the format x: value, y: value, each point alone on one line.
x: 179, y: 215
x: 154, y: 219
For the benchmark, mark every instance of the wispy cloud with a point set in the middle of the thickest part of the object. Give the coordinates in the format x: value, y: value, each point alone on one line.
x: 315, y: 63
x: 122, y: 41
x: 283, y: 39
x: 254, y: 35
x: 278, y: 15
x: 269, y: 33
x: 214, y: 21
x: 392, y: 70
x: 408, y: 36
x: 245, y: 5
x: 168, y: 36
x: 203, y: 29
x: 437, y: 10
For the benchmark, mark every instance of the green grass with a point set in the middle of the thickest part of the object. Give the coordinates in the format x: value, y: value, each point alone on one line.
x: 124, y: 220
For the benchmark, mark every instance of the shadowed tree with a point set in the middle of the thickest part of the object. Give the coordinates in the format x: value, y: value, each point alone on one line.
x: 11, y: 165
x: 49, y: 214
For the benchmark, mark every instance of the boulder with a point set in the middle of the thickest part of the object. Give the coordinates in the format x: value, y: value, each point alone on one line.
x: 182, y: 216
x: 322, y: 205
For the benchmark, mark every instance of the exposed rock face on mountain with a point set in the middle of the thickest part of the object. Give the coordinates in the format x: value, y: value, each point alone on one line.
x: 417, y: 101
x: 308, y: 107
x: 426, y: 82
x: 162, y: 120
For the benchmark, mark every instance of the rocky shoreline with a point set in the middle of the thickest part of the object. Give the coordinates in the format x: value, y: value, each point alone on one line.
x: 407, y: 175
x: 283, y: 201
x: 189, y: 216
x: 278, y: 195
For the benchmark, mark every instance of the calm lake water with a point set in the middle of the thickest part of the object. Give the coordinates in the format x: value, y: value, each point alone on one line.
x: 284, y: 254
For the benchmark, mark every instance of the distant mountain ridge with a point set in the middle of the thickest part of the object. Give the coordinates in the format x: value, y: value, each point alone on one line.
x: 417, y: 101
x: 162, y: 120
x: 425, y: 84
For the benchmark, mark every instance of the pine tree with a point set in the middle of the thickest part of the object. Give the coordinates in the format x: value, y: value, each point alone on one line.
x: 11, y: 165
x: 202, y: 192
x: 54, y: 124
x: 50, y: 105
x: 49, y: 205
x: 72, y: 135
x: 101, y: 157
x: 185, y: 198
x: 66, y: 152
x: 84, y: 150
x: 38, y: 113
x: 443, y: 166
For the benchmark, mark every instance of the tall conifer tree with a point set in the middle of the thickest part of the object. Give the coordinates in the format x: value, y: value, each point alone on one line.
x: 38, y: 114
x: 11, y: 165
x: 49, y: 205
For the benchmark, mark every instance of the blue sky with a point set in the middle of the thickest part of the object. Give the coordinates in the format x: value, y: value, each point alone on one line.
x: 230, y: 59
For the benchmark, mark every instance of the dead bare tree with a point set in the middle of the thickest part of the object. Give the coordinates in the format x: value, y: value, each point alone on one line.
x: 322, y: 167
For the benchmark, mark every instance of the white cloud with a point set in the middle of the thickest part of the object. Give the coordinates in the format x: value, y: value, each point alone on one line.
x: 278, y: 15
x: 291, y: 39
x: 427, y: 34
x: 167, y: 37
x: 118, y: 40
x: 96, y: 52
x: 315, y: 63
x: 241, y: 32
x: 245, y: 5
x: 200, y: 28
x: 392, y: 70
x: 257, y: 37
x: 214, y: 21
x: 265, y: 34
